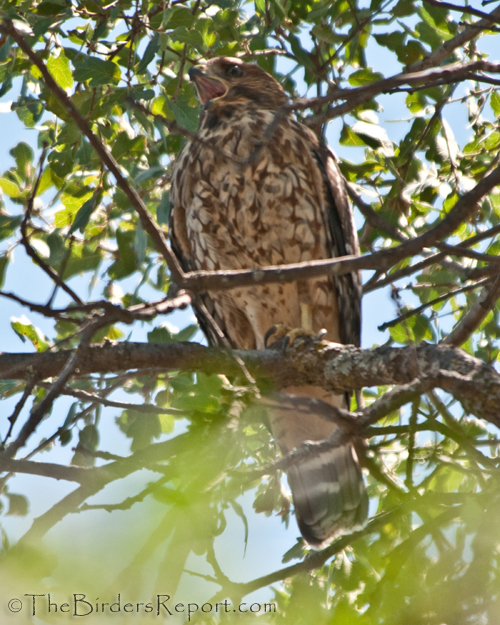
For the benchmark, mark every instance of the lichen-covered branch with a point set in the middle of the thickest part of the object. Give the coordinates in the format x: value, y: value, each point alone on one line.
x: 333, y: 366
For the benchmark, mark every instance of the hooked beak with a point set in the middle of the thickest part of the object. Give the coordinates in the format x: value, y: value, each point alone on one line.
x: 208, y: 88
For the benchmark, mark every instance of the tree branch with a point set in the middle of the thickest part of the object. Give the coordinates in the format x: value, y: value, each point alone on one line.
x: 432, y: 302
x: 471, y: 320
x: 338, y: 368
x: 470, y: 32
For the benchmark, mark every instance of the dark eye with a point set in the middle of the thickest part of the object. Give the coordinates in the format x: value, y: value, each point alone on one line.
x: 234, y: 71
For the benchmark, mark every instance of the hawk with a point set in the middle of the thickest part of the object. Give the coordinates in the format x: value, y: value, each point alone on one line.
x: 255, y: 188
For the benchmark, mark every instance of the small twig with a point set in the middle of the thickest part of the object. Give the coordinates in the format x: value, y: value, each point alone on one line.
x: 127, y: 503
x: 376, y: 220
x: 463, y: 9
x: 84, y: 396
x: 181, y: 72
x: 459, y: 250
x: 138, y: 312
x: 432, y: 302
x: 436, y: 258
x: 39, y: 412
x: 476, y: 315
x: 411, y: 443
x: 457, y: 434
x: 30, y: 384
x: 62, y: 269
x: 393, y: 400
x: 29, y: 249
x: 45, y: 469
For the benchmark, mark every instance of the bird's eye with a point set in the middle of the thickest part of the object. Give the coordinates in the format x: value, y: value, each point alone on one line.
x: 234, y: 71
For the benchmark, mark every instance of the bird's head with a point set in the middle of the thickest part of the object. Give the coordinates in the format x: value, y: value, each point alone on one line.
x: 230, y: 80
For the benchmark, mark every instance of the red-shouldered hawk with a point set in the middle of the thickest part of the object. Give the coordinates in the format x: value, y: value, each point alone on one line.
x: 257, y: 188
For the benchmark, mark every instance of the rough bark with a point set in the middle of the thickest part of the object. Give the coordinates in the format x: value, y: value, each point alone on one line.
x: 330, y: 365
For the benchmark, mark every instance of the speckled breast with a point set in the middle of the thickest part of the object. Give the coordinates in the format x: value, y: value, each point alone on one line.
x: 251, y: 192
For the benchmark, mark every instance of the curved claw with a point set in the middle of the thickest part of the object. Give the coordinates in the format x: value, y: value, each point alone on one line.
x: 272, y: 330
x: 281, y: 337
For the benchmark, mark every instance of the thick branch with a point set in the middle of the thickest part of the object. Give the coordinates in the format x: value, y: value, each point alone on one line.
x: 330, y: 365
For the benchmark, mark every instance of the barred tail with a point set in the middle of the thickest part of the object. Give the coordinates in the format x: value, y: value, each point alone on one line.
x: 327, y: 485
x: 329, y: 495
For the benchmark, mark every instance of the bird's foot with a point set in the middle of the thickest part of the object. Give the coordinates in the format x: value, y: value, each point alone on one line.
x: 280, y: 336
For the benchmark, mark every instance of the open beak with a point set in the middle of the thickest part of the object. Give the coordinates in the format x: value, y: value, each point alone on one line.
x: 207, y: 87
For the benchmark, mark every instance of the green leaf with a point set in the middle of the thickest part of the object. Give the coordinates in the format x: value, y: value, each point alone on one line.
x: 71, y: 415
x: 393, y: 41
x: 10, y: 188
x: 324, y: 32
x: 65, y: 437
x: 124, y: 145
x: 8, y: 225
x: 412, y: 52
x: 97, y: 71
x: 185, y: 116
x: 180, y: 16
x: 438, y: 20
x: 300, y: 54
x: 163, y: 210
x: 374, y: 136
x: 83, y: 215
x: 364, y: 76
x: 61, y: 163
x: 187, y: 333
x: 23, y: 155
x: 83, y: 258
x: 189, y: 35
x: 149, y: 54
x: 140, y: 243
x: 492, y: 141
x: 260, y: 6
x: 146, y: 174
x: 140, y: 427
x: 197, y: 403
x: 18, y: 505
x: 72, y: 204
x: 30, y: 111
x: 89, y: 437
x: 416, y: 102
x: 26, y: 330
x: 401, y: 333
x: 60, y: 70
x: 167, y: 423
x: 350, y: 138
x: 4, y: 263
x: 495, y: 103
x: 168, y: 334
x: 126, y: 252
x: 240, y: 512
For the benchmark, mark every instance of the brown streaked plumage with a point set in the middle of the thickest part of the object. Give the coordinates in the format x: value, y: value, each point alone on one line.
x: 256, y: 188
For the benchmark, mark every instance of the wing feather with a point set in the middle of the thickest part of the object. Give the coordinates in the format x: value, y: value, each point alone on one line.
x: 344, y: 241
